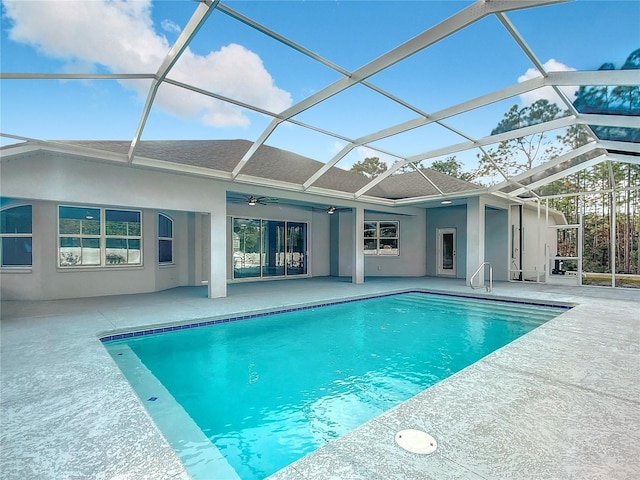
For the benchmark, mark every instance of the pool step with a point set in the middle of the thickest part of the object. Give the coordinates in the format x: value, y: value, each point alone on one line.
x: 481, y: 309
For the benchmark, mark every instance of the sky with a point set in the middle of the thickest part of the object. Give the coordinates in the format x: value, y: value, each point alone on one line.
x: 230, y: 58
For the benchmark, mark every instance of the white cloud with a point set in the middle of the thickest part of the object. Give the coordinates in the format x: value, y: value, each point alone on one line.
x: 366, y: 152
x: 358, y: 155
x: 547, y: 93
x: 336, y: 147
x: 119, y: 35
x: 170, y: 26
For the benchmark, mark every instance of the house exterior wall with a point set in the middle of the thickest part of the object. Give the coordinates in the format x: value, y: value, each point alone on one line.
x: 198, y: 208
x: 46, y: 181
x: 45, y: 280
x: 412, y: 259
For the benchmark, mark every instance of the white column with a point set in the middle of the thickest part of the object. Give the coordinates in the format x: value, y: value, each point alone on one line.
x: 475, y: 238
x: 218, y: 245
x: 357, y: 274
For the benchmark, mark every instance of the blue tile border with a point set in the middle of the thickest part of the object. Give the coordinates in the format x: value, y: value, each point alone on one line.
x: 173, y: 328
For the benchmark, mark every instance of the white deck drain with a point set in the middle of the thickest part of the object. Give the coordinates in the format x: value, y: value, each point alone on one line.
x: 416, y: 441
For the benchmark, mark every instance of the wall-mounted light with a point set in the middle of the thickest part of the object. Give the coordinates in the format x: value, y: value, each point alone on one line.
x: 445, y: 202
x: 331, y: 210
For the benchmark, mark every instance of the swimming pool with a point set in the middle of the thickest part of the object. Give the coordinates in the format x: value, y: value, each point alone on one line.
x: 246, y: 398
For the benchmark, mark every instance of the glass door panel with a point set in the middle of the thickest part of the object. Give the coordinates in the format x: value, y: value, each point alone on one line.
x: 296, y: 248
x: 446, y: 251
x: 273, y: 247
x: 246, y: 248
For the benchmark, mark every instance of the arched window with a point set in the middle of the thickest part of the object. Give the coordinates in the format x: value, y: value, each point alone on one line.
x: 165, y: 239
x: 16, y: 236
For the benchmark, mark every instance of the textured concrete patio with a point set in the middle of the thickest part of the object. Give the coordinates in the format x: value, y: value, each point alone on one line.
x: 561, y: 402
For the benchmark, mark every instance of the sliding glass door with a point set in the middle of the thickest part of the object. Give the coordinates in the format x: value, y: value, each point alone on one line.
x: 296, y: 248
x: 268, y: 248
x: 273, y: 246
x: 246, y: 248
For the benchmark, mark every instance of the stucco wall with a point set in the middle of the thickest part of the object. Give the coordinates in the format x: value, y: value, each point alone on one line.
x: 46, y: 181
x: 45, y: 280
x: 412, y: 259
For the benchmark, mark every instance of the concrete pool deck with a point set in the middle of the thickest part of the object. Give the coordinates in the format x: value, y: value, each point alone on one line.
x: 561, y: 402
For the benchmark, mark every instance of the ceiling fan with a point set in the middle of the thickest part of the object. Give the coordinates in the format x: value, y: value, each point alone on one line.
x: 330, y: 209
x: 253, y: 200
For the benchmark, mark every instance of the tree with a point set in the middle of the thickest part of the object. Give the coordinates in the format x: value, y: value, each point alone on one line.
x: 449, y: 166
x: 519, y: 154
x: 370, y: 167
x: 452, y: 167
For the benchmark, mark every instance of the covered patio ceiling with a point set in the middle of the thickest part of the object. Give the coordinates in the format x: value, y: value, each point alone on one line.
x: 405, y: 117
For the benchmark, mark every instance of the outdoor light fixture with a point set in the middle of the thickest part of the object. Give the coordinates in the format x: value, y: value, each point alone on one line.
x: 445, y: 202
x: 331, y: 210
x: 252, y: 201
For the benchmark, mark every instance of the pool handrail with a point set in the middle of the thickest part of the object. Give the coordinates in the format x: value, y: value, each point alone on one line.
x: 481, y: 267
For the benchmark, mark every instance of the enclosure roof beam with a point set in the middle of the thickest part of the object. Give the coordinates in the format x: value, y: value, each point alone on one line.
x: 196, y: 21
x: 460, y: 147
x: 547, y: 165
x: 556, y: 176
x: 458, y: 21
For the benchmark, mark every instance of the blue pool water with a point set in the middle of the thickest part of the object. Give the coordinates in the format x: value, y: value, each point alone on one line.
x: 270, y: 390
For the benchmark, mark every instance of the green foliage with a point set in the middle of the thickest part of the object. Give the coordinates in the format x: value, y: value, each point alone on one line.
x: 248, y: 232
x: 448, y: 166
x: 370, y: 167
x: 453, y: 167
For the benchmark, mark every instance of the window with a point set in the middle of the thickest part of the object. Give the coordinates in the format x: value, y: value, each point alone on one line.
x: 16, y: 236
x: 381, y: 238
x: 165, y: 239
x: 90, y: 236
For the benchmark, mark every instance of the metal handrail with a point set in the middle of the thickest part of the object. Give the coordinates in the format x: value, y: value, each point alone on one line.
x: 488, y: 287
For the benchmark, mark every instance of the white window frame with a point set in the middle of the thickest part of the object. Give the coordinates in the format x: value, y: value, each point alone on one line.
x: 102, y: 237
x: 382, y: 247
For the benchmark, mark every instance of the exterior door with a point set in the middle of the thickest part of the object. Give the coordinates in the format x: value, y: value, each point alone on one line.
x: 446, y: 251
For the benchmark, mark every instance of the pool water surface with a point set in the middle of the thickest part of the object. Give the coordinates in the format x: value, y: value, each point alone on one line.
x: 265, y: 392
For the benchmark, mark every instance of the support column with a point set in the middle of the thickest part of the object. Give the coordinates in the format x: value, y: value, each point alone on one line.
x: 475, y: 238
x: 357, y: 274
x: 218, y: 245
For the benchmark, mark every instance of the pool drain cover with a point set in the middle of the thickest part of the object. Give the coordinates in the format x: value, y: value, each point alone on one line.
x: 416, y: 441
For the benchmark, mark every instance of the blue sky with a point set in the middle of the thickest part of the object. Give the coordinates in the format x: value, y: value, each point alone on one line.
x: 230, y: 58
